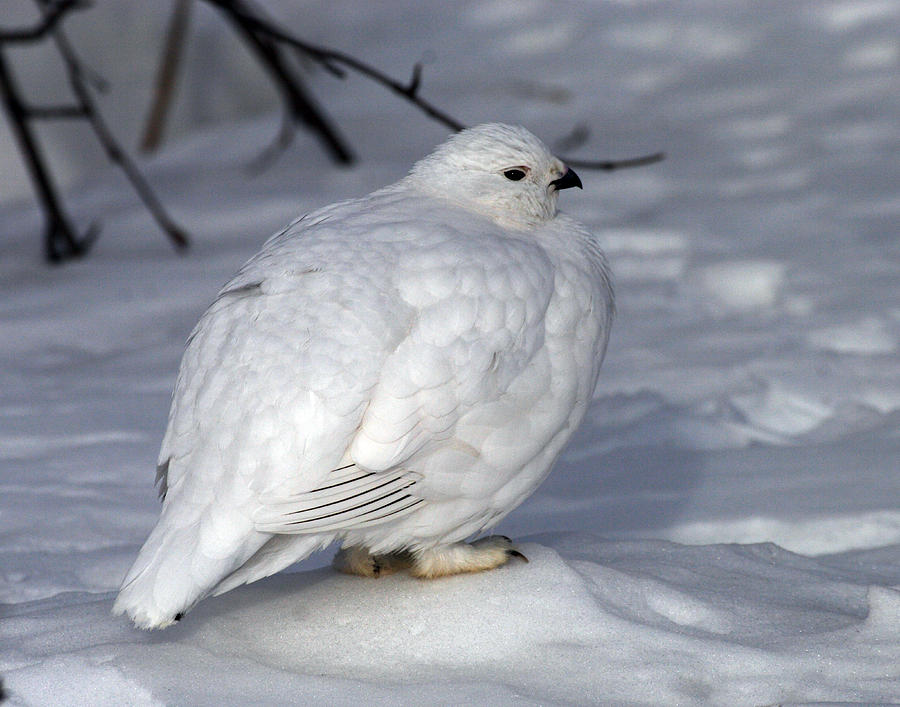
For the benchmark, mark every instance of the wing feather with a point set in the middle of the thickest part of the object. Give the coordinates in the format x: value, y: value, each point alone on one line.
x: 296, y: 367
x: 352, y: 498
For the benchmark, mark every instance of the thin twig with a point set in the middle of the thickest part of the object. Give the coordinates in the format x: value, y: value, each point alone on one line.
x: 327, y: 56
x: 60, y: 238
x: 610, y: 165
x: 270, y: 153
x: 577, y: 137
x: 166, y: 76
x: 298, y: 100
x: 53, y: 13
x: 54, y: 112
x: 113, y: 150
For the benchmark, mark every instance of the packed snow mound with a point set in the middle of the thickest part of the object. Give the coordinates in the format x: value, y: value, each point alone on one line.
x: 585, y: 621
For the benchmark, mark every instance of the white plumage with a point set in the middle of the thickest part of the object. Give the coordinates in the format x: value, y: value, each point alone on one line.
x: 396, y: 372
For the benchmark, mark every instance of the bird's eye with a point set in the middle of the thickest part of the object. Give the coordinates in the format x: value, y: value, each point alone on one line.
x: 515, y: 174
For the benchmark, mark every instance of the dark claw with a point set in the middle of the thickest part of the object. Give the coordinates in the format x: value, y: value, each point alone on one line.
x: 516, y: 553
x: 509, y: 540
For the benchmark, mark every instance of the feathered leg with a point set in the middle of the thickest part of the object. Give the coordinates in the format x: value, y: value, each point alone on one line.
x: 358, y: 560
x: 479, y: 556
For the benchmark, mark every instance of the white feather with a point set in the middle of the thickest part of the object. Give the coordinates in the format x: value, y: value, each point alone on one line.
x: 427, y: 349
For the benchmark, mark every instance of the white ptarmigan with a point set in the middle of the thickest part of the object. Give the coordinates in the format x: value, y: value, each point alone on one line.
x: 396, y: 373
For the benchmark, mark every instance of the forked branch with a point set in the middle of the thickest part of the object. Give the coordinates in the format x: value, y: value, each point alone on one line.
x: 61, y: 239
x: 335, y: 61
x: 53, y: 13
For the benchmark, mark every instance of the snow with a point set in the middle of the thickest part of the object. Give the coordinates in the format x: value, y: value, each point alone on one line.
x: 725, y: 527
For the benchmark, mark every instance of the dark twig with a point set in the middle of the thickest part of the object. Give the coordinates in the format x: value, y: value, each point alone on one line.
x: 166, y: 76
x: 55, y: 112
x: 61, y: 241
x: 331, y: 57
x: 281, y: 142
x: 264, y: 37
x: 113, y: 150
x: 580, y: 134
x: 610, y: 165
x: 53, y: 13
x: 577, y: 136
x: 300, y: 103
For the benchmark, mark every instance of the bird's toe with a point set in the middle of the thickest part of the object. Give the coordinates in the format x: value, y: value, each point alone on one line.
x: 500, y: 542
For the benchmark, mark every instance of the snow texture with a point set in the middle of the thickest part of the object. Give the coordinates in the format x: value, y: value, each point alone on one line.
x: 723, y: 529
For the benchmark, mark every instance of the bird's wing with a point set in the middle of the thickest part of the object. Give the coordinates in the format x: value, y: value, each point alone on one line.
x: 351, y: 499
x: 477, y: 324
x: 480, y: 303
x: 299, y: 370
x: 277, y: 374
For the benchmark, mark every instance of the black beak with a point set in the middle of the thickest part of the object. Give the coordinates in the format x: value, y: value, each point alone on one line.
x: 567, y: 181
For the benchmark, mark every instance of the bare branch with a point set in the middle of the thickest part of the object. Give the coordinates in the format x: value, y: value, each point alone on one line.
x: 270, y: 153
x: 164, y: 87
x: 114, y: 151
x: 61, y: 241
x: 610, y: 165
x: 54, y: 112
x: 415, y: 80
x: 53, y: 13
x: 300, y: 103
x: 577, y: 137
x: 327, y: 56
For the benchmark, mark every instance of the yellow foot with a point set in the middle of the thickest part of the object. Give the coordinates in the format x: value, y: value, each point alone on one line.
x: 479, y: 556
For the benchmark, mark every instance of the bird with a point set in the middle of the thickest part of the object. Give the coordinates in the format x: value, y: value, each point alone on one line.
x: 394, y: 373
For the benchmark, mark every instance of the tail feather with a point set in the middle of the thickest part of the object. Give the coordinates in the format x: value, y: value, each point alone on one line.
x: 178, y: 566
x: 278, y: 552
x: 181, y: 563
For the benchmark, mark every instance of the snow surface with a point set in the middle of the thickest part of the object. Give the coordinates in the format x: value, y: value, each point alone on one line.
x: 725, y: 527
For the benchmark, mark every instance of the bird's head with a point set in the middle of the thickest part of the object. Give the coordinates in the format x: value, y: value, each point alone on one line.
x: 502, y: 171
